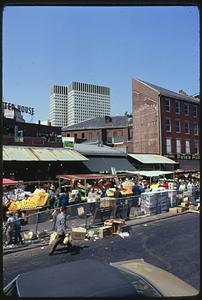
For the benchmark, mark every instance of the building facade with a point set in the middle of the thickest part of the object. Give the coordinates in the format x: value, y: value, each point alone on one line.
x: 166, y: 123
x: 112, y: 131
x: 59, y: 106
x: 86, y: 101
x: 78, y: 102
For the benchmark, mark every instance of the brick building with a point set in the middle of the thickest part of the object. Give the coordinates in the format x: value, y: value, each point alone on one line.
x: 166, y: 123
x: 112, y: 131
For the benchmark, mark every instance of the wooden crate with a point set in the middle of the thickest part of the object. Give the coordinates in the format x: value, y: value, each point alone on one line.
x: 116, y: 225
x: 78, y: 233
x: 105, y: 231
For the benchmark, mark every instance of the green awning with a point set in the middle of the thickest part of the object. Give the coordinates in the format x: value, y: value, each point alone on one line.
x: 152, y: 159
x: 25, y: 153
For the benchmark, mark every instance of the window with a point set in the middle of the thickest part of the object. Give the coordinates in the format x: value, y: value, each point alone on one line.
x: 196, y: 147
x: 177, y: 107
x: 75, y: 135
x: 167, y: 104
x: 168, y: 146
x: 187, y: 128
x: 178, y: 146
x: 177, y: 126
x: 195, y: 110
x: 187, y: 147
x: 83, y: 135
x: 168, y: 125
x: 186, y: 109
x: 195, y: 128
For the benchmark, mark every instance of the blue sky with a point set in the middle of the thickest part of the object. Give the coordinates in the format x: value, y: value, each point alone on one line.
x: 107, y: 46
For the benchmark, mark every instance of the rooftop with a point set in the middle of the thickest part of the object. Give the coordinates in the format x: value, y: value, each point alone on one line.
x: 88, y: 149
x: 171, y: 94
x: 100, y: 122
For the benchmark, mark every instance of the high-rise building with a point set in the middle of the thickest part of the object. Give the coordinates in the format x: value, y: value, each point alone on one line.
x: 59, y: 106
x: 78, y: 102
x: 87, y: 101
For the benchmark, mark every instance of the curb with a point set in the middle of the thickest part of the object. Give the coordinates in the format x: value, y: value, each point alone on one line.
x: 135, y: 222
x: 153, y: 219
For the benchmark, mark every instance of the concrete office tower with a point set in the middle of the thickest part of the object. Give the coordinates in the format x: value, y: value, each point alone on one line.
x: 59, y: 106
x: 86, y: 101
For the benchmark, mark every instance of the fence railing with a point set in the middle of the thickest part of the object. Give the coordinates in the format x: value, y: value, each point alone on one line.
x: 90, y: 215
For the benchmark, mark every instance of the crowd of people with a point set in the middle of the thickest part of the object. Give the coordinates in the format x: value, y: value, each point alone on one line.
x: 94, y: 192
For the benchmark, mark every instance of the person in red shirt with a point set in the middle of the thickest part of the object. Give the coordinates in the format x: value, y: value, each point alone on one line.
x: 165, y: 184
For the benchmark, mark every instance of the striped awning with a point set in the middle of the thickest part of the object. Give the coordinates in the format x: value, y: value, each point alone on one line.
x: 25, y: 153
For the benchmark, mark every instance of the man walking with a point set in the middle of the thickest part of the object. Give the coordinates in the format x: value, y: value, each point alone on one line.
x: 61, y: 229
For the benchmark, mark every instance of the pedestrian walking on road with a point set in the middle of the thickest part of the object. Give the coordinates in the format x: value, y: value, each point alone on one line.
x: 61, y: 230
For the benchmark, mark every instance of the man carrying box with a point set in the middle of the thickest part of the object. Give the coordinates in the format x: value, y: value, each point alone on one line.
x: 61, y: 230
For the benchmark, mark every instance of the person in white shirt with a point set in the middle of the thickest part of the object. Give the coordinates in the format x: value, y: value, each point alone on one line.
x: 182, y: 186
x: 92, y: 198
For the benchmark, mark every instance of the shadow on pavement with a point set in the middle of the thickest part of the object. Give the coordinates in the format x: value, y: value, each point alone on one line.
x: 73, y: 250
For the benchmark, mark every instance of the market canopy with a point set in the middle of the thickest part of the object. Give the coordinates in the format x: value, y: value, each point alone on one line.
x: 151, y: 173
x: 26, y: 153
x: 104, y: 164
x: 8, y: 181
x: 152, y: 159
x: 89, y: 176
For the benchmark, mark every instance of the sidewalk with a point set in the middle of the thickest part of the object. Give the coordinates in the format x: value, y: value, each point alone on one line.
x: 137, y: 221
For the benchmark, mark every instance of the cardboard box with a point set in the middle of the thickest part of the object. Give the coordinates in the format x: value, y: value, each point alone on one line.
x: 173, y: 210
x: 78, y: 233
x: 105, y: 231
x: 108, y: 222
x: 180, y: 209
x: 116, y: 224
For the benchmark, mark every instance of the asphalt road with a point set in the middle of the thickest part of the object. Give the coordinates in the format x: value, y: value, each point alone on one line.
x: 172, y: 244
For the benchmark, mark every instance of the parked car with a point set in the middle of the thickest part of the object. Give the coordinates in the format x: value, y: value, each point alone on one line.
x: 92, y: 278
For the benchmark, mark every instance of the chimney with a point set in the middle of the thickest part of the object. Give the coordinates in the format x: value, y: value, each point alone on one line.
x: 182, y: 92
x: 39, y: 122
x: 108, y: 119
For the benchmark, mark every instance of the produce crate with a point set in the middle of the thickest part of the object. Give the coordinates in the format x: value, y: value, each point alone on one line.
x: 78, y: 233
x: 105, y: 231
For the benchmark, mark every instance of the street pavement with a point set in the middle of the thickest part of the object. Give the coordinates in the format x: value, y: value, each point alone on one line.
x: 39, y: 242
x: 171, y: 243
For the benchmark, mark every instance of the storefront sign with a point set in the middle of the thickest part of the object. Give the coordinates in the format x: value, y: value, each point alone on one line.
x: 183, y: 156
x: 68, y: 142
x: 20, y: 108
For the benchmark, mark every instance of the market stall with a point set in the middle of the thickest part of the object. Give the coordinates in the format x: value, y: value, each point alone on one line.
x: 8, y: 182
x: 82, y: 181
x: 150, y: 174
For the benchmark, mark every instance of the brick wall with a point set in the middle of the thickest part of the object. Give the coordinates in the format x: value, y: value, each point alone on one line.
x: 145, y: 107
x: 181, y: 116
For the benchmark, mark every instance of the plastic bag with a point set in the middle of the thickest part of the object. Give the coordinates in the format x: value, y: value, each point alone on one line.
x: 52, y: 237
x: 67, y: 239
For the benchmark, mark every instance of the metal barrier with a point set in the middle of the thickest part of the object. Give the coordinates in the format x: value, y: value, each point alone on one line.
x: 88, y: 215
